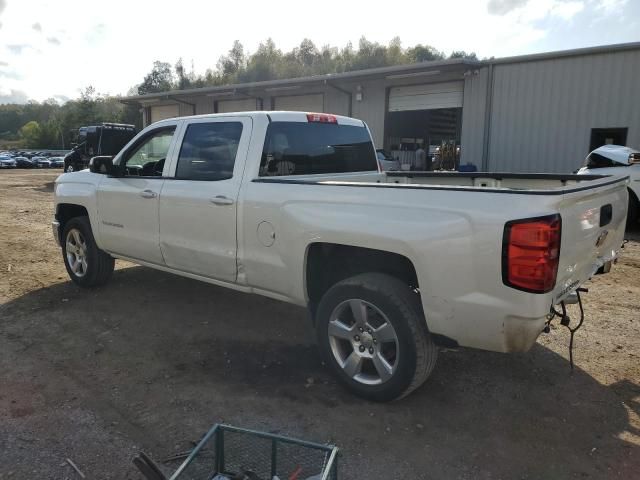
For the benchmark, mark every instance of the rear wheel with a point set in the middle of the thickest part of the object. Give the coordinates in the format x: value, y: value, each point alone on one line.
x: 86, y: 264
x: 373, y: 334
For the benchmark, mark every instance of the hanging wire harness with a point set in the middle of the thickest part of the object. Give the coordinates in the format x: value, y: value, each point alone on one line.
x: 566, y: 320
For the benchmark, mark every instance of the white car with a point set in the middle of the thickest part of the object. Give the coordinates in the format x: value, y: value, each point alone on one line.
x: 386, y: 161
x: 618, y: 160
x: 7, y: 162
x: 41, y: 162
x: 294, y: 206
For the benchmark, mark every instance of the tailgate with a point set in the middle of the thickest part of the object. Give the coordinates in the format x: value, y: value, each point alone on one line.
x: 593, y: 224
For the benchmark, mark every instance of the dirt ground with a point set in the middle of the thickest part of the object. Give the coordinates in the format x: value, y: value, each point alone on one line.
x: 152, y: 360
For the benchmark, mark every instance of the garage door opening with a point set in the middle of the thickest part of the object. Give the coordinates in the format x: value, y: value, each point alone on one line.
x: 425, y: 118
x: 162, y: 112
x: 300, y: 103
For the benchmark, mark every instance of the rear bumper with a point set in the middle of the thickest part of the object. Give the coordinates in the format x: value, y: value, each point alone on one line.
x: 55, y: 228
x: 520, y: 334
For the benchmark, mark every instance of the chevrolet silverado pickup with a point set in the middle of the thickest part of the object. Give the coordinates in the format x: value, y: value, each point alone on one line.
x: 608, y: 160
x: 391, y: 265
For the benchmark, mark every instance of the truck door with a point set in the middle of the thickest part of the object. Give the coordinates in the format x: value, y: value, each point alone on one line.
x: 198, y: 206
x: 128, y: 205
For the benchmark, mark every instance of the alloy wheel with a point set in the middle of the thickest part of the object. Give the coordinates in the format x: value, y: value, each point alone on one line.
x: 76, y: 251
x: 363, y: 342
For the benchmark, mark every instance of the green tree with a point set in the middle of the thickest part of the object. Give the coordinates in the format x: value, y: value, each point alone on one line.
x: 229, y: 65
x: 423, y: 53
x: 268, y: 63
x: 306, y: 54
x: 264, y: 64
x: 30, y: 134
x: 160, y: 79
x: 463, y: 54
x: 184, y: 79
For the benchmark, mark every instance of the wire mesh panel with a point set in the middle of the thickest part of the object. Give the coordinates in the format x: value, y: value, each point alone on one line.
x: 246, y: 453
x: 302, y: 462
x: 203, y: 462
x: 233, y: 453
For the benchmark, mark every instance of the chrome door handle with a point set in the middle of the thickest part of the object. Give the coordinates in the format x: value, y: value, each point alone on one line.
x: 221, y: 200
x: 148, y: 194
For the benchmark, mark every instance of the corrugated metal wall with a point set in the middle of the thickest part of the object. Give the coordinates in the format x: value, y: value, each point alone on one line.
x: 311, y: 102
x: 473, y: 116
x: 543, y: 111
x: 203, y: 105
x: 372, y: 109
x: 237, y: 105
x: 185, y: 110
x: 161, y: 112
x: 336, y: 102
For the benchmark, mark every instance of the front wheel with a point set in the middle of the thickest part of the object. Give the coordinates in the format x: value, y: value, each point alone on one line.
x: 86, y: 264
x: 69, y: 168
x: 373, y: 334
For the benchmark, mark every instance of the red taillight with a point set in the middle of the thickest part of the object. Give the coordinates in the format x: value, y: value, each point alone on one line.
x: 530, y: 253
x: 321, y: 118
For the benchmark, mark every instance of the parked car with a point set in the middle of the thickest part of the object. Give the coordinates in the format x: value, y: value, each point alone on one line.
x: 618, y: 160
x: 293, y: 206
x: 56, y: 162
x: 7, y: 162
x: 386, y: 161
x: 41, y: 162
x: 23, y: 162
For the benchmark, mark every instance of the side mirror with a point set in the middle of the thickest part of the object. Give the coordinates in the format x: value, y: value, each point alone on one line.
x: 103, y: 165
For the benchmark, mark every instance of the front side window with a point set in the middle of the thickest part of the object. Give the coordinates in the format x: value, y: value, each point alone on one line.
x: 303, y: 148
x: 147, y: 158
x: 209, y: 150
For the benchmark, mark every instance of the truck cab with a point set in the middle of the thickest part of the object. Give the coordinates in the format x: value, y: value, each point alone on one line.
x: 105, y: 139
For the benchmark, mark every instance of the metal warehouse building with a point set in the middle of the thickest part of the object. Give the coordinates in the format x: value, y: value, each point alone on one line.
x: 532, y: 113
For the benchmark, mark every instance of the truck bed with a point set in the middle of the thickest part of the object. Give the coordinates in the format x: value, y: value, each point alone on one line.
x: 520, y: 183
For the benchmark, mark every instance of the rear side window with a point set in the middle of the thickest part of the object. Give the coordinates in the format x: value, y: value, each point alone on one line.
x: 209, y: 150
x: 300, y: 148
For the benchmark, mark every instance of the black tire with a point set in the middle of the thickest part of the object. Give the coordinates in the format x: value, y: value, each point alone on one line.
x: 633, y: 213
x: 416, y: 352
x: 99, y: 264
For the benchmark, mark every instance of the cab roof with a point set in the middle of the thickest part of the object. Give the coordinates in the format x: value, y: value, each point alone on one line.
x: 281, y: 116
x: 616, y: 153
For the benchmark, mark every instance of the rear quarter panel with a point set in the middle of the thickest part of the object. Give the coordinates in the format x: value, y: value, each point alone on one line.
x: 453, y: 239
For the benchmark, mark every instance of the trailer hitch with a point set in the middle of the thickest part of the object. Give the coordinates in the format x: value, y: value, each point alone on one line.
x: 565, y: 320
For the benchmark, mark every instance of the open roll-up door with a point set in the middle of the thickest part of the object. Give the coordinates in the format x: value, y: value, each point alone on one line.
x: 426, y: 97
x: 240, y: 105
x: 160, y: 112
x: 301, y: 103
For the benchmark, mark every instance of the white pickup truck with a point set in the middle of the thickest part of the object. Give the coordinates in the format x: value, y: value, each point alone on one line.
x: 390, y: 264
x: 608, y: 160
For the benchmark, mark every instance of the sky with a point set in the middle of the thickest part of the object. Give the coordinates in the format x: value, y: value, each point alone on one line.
x: 54, y: 49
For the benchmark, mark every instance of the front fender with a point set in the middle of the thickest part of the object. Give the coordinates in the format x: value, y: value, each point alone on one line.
x: 79, y: 188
